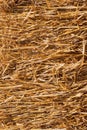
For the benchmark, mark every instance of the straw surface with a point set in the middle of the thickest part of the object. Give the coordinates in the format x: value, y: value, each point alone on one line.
x: 43, y: 64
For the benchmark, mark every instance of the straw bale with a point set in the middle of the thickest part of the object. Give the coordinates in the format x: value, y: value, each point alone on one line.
x: 43, y: 64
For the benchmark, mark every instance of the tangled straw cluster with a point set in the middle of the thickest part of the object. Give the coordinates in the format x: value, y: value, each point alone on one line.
x: 43, y: 65
x: 11, y: 5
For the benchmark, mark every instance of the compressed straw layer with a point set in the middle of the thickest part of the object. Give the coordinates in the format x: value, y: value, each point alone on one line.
x: 43, y: 64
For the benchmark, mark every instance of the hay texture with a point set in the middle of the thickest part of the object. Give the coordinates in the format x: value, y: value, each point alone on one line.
x: 43, y: 64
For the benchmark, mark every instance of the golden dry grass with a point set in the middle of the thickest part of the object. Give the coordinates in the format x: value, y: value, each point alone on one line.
x: 43, y: 64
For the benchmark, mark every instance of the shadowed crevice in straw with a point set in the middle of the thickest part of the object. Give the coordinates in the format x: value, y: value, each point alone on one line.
x: 43, y: 65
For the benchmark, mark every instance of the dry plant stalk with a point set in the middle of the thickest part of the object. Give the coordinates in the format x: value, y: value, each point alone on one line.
x: 43, y: 64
